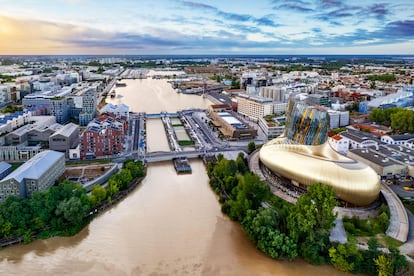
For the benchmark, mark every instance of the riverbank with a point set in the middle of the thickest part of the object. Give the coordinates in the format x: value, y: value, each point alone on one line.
x: 285, y: 231
x: 67, y: 195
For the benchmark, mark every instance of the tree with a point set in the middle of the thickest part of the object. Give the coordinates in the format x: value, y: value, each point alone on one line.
x: 99, y: 193
x: 72, y: 210
x: 262, y: 228
x: 384, y: 265
x: 403, y: 121
x: 399, y: 262
x: 311, y: 220
x: 124, y: 177
x: 241, y: 163
x: 251, y: 147
x: 249, y: 194
x: 113, y: 186
x: 377, y: 115
x: 345, y: 257
x: 370, y: 255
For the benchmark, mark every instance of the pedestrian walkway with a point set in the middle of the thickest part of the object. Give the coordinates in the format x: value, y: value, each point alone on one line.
x: 399, y: 224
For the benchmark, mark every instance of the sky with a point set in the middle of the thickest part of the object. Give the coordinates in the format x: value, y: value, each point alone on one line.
x: 206, y: 27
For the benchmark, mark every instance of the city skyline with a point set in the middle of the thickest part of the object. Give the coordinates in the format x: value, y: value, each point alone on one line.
x: 206, y: 27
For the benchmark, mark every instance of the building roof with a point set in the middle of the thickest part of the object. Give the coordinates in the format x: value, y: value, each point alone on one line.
x: 35, y: 166
x: 374, y: 157
x: 402, y: 137
x: 66, y: 130
x: 336, y: 137
x: 397, y: 152
x: 4, y: 166
x: 115, y: 108
x: 358, y: 136
x: 255, y: 98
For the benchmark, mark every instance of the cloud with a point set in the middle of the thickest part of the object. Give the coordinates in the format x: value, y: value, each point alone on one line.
x: 399, y: 29
x: 330, y: 3
x: 379, y: 11
x: 294, y: 7
x: 230, y: 16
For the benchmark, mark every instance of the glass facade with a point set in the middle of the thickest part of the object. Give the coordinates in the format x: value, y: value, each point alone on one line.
x: 306, y: 125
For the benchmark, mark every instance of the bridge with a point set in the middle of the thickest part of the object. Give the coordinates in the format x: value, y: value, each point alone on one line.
x: 160, y: 115
x: 165, y: 156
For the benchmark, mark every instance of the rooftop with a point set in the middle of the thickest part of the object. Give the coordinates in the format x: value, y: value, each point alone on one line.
x: 66, y: 130
x: 374, y: 157
x: 358, y: 136
x: 4, y: 166
x: 36, y: 166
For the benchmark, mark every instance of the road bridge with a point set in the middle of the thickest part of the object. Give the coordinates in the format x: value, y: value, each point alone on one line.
x: 160, y: 115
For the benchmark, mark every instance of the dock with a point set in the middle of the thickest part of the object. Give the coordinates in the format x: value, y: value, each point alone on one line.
x: 182, y: 165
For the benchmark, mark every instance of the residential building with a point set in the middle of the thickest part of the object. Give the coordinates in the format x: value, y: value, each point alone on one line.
x: 64, y: 139
x: 83, y: 104
x: 37, y: 174
x: 60, y: 109
x: 103, y: 136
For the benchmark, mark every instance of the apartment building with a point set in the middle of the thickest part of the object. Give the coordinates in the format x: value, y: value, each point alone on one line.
x: 103, y: 136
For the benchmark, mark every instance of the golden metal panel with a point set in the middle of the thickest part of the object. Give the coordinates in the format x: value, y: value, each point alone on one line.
x: 351, y: 180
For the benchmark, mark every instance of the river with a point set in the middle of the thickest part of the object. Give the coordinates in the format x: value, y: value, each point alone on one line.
x: 170, y: 225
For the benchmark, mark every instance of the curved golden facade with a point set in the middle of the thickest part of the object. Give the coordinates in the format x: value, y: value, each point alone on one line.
x: 304, y: 155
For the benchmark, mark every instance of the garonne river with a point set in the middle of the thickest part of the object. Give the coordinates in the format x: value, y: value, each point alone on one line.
x: 170, y: 225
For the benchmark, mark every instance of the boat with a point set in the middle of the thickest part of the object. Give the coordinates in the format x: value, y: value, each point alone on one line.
x: 112, y: 94
x: 120, y: 84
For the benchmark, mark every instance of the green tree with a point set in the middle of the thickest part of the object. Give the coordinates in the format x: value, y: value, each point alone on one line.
x: 403, y: 121
x: 311, y: 220
x: 399, y: 262
x: 377, y: 115
x: 249, y: 194
x: 370, y: 255
x: 345, y: 257
x: 72, y: 210
x: 251, y: 147
x: 124, y: 177
x: 113, y: 186
x: 241, y: 163
x: 384, y: 265
x: 99, y: 193
x: 262, y: 228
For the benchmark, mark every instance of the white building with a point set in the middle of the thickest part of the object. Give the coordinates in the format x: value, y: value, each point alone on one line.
x: 271, y: 129
x: 339, y: 144
x: 359, y: 139
x: 121, y: 110
x: 338, y: 119
x: 404, y: 139
x: 254, y: 107
x: 279, y: 107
